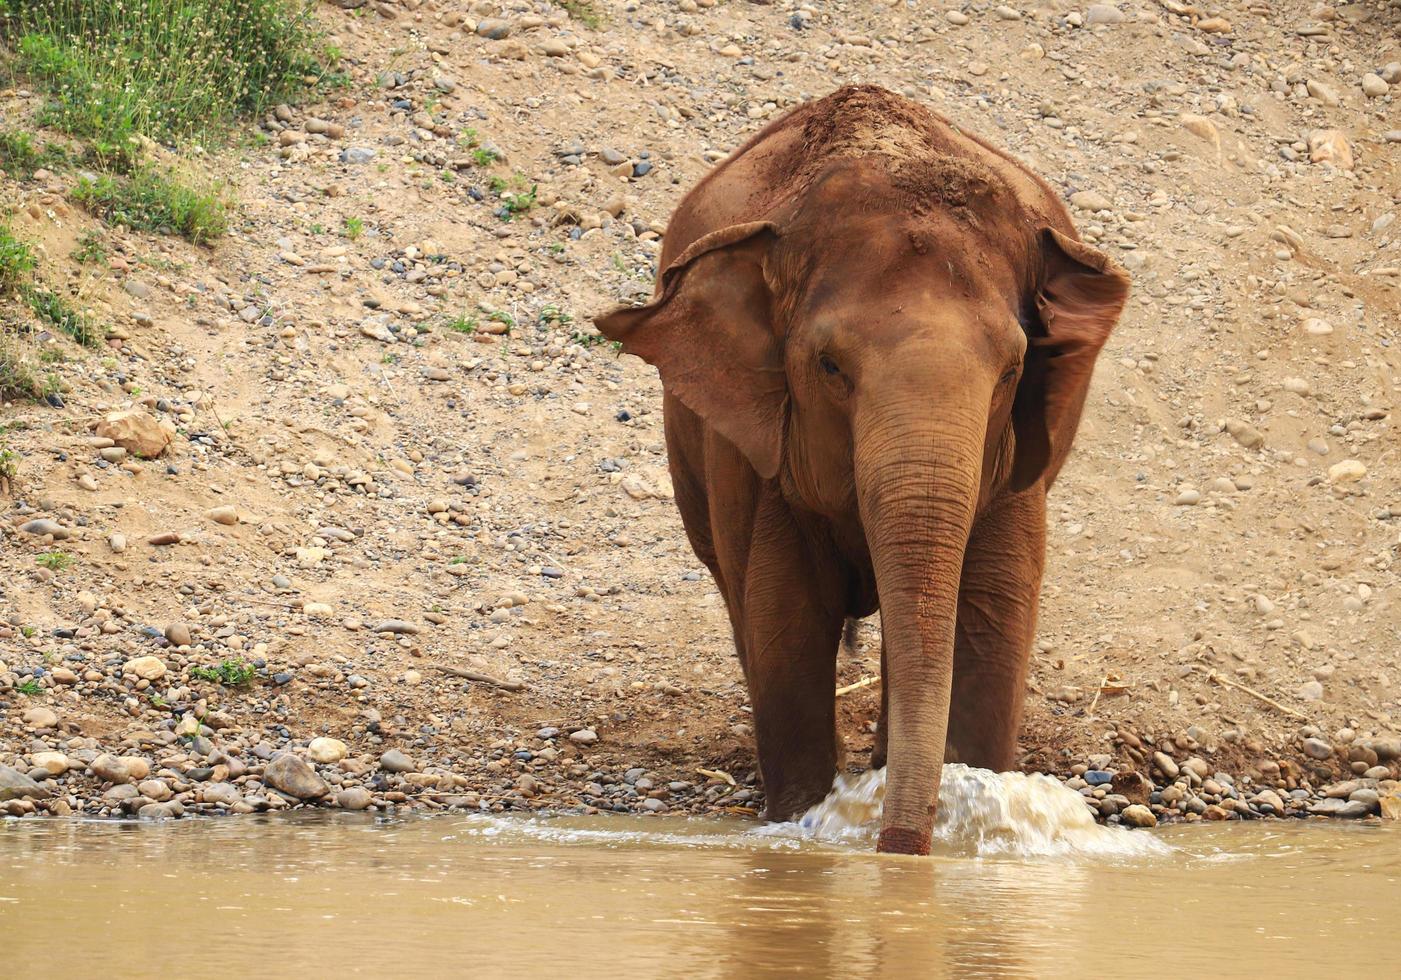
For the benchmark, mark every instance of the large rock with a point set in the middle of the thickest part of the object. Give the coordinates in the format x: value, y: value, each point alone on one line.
x: 291, y: 775
x: 15, y: 785
x: 147, y: 668
x: 137, y: 431
x: 41, y: 717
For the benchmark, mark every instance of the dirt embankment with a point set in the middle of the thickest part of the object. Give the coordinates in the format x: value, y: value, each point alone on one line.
x: 397, y: 446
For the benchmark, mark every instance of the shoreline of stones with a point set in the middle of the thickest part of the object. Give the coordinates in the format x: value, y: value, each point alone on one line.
x: 177, y: 773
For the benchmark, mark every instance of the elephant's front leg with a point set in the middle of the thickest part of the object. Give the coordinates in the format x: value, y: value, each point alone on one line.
x: 997, y: 603
x: 792, y: 625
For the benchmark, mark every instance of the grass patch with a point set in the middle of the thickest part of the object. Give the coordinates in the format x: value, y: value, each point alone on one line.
x: 58, y: 313
x: 16, y: 261
x: 584, y: 12
x: 20, y: 157
x: 463, y: 323
x: 30, y: 687
x: 234, y: 673
x: 149, y: 200
x: 168, y: 69
x: 353, y: 228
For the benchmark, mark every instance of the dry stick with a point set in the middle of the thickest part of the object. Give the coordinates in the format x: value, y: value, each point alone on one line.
x: 1212, y: 675
x: 472, y: 675
x: 863, y: 682
x: 1091, y: 709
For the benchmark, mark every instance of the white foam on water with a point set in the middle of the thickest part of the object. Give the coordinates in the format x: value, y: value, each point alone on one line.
x: 979, y: 812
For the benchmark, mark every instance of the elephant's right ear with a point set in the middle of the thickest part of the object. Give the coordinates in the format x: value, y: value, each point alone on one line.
x: 710, y: 335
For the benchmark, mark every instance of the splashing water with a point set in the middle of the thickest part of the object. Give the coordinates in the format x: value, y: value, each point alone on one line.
x: 980, y: 812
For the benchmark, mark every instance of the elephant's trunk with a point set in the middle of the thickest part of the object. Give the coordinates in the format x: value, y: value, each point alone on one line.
x: 917, y: 477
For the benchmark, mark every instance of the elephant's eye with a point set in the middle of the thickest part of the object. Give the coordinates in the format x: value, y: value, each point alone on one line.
x: 828, y: 365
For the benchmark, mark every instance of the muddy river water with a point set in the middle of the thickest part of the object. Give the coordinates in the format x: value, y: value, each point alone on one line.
x: 1019, y: 885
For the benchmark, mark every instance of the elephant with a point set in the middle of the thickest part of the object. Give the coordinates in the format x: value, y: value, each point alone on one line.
x: 875, y: 335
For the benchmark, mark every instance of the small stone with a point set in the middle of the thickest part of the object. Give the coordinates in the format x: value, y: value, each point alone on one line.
x: 1103, y: 13
x: 1311, y: 691
x: 146, y: 668
x: 1321, y: 91
x: 357, y: 155
x: 178, y: 634
x: 1091, y: 201
x: 220, y: 794
x: 493, y: 29
x: 1330, y: 146
x: 1188, y: 498
x: 291, y: 774
x: 1317, y: 748
x: 117, y: 542
x: 42, y: 526
x: 41, y: 717
x: 155, y: 789
x: 396, y: 626
x: 956, y: 17
x: 355, y: 798
x: 55, y: 763
x: 227, y: 514
x: 396, y: 761
x: 1164, y: 764
x: 110, y: 769
x: 327, y: 750
x: 584, y: 736
x: 1348, y: 471
x: 1138, y: 815
x: 1317, y: 327
x: 1374, y: 86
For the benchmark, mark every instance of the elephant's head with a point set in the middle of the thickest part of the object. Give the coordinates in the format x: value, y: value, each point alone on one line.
x: 892, y: 367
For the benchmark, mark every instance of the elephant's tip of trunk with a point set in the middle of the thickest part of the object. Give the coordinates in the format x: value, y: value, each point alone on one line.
x: 901, y: 840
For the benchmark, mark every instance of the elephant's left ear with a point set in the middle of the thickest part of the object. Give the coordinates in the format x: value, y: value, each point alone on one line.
x: 1078, y: 299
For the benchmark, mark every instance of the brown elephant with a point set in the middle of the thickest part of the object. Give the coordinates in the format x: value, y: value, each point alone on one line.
x: 875, y: 334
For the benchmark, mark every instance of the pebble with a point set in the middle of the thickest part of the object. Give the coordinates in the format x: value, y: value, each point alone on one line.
x: 291, y: 774
x: 327, y: 750
x: 397, y: 626
x: 41, y: 717
x: 1374, y: 86
x: 55, y: 763
x: 147, y: 668
x: 110, y: 769
x: 396, y: 761
x: 1164, y: 764
x: 43, y: 526
x: 1347, y: 471
x: 227, y: 514
x: 1103, y: 13
x: 1317, y: 748
x: 1138, y: 815
x: 178, y: 634
x: 584, y: 736
x: 354, y: 798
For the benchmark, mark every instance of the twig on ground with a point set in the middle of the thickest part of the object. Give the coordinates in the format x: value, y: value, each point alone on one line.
x: 472, y: 675
x: 863, y: 682
x: 1213, y: 676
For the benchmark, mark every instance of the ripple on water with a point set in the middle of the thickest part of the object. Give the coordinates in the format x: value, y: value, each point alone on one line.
x: 980, y: 813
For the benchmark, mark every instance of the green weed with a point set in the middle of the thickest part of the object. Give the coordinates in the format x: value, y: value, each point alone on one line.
x: 30, y: 687
x: 91, y: 249
x: 353, y: 228
x: 16, y: 261
x: 58, y: 313
x: 463, y: 323
x: 584, y: 12
x: 20, y: 157
x: 152, y: 201
x: 55, y: 561
x: 234, y: 673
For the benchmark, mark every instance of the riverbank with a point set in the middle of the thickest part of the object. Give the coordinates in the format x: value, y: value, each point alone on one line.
x: 378, y: 450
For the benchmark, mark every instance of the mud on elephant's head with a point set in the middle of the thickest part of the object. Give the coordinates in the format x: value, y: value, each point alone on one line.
x: 872, y: 311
